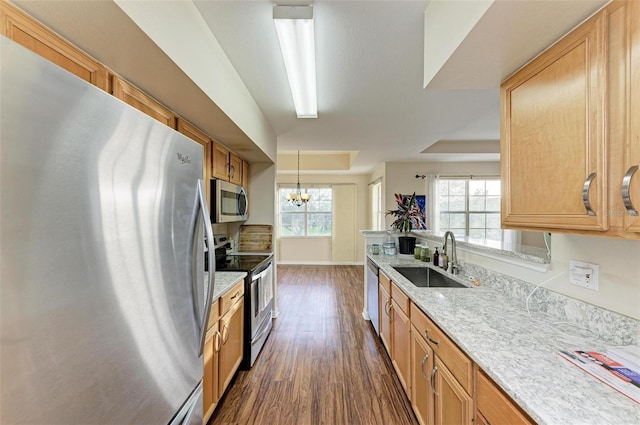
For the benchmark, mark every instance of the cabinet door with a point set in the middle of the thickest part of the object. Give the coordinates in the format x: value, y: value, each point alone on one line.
x: 552, y: 136
x: 220, y: 162
x: 23, y: 29
x: 235, y: 169
x: 401, y: 351
x: 135, y: 97
x: 198, y: 136
x: 210, y: 394
x: 452, y: 403
x: 632, y: 151
x: 494, y: 406
x: 421, y: 367
x: 230, y: 356
x: 384, y: 313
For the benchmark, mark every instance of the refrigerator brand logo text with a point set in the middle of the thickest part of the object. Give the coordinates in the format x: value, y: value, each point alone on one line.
x: 184, y: 158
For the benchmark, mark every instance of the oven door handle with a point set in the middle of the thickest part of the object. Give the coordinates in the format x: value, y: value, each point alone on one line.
x: 262, y: 273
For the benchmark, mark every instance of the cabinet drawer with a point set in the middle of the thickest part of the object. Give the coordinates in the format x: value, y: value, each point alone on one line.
x: 231, y: 297
x: 400, y: 298
x: 456, y: 361
x: 496, y: 406
x: 214, y: 314
x: 384, y: 281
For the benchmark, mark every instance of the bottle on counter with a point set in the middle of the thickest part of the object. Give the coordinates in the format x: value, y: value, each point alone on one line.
x: 436, y: 257
x: 444, y: 259
x: 440, y: 258
x: 417, y: 251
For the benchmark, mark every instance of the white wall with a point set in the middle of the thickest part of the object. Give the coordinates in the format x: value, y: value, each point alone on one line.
x: 319, y: 250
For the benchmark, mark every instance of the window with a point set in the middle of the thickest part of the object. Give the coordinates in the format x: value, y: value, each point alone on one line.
x: 377, y: 215
x: 470, y: 207
x: 310, y: 219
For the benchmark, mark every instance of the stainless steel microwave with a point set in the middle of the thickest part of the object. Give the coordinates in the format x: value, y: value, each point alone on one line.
x: 230, y: 202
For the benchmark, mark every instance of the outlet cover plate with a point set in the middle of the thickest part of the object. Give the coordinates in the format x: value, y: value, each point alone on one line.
x: 584, y: 274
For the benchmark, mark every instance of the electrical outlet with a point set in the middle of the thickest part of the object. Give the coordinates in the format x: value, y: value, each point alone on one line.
x: 583, y: 274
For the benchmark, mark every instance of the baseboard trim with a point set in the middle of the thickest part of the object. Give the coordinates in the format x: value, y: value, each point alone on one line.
x: 320, y: 263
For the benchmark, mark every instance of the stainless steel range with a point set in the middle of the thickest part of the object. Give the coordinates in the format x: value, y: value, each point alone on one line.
x: 258, y: 297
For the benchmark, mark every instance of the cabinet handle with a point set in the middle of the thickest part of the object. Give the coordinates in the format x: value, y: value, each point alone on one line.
x: 387, y: 308
x: 217, y: 341
x: 424, y: 360
x: 236, y: 295
x: 585, y: 194
x: 433, y: 341
x: 433, y: 374
x: 225, y: 333
x: 232, y: 171
x: 626, y: 197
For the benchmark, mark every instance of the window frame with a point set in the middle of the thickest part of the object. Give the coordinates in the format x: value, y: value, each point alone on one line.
x: 467, y: 212
x: 303, y: 210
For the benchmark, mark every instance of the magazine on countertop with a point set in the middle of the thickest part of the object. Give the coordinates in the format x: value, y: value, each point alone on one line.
x: 619, y: 368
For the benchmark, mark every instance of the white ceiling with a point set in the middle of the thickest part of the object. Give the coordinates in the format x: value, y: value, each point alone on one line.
x: 369, y: 57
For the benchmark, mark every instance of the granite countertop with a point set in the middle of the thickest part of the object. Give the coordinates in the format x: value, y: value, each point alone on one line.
x: 224, y: 281
x: 519, y: 351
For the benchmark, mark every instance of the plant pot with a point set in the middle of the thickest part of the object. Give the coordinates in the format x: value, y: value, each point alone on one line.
x: 406, y: 244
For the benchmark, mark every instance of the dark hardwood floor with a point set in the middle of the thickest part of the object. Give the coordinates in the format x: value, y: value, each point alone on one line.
x: 322, y: 363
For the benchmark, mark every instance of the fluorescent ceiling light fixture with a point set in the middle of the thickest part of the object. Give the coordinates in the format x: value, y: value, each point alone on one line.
x: 294, y: 25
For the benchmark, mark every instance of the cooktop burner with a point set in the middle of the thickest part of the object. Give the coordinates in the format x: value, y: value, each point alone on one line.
x: 245, y: 263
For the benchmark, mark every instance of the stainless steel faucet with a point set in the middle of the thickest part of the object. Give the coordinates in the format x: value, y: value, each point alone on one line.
x: 453, y: 262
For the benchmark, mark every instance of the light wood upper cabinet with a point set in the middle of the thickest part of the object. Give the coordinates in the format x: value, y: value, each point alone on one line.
x: 632, y: 143
x: 135, y: 97
x: 198, y: 136
x: 552, y: 135
x: 23, y: 29
x: 571, y: 114
x: 220, y: 162
x: 235, y: 169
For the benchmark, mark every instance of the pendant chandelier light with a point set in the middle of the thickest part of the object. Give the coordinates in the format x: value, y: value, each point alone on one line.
x: 298, y: 198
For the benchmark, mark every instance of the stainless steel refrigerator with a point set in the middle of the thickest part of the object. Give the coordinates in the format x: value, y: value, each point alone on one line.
x: 102, y: 223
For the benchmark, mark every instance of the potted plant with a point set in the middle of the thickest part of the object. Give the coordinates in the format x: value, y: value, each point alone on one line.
x: 408, y: 216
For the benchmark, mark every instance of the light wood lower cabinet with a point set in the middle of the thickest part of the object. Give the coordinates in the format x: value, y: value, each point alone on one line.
x: 453, y: 405
x: 493, y: 406
x: 421, y: 367
x: 400, y: 337
x: 230, y: 356
x: 384, y: 310
x: 223, y: 347
x: 450, y: 376
x: 210, y: 395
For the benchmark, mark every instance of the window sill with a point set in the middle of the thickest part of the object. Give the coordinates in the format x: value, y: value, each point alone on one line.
x: 524, y: 256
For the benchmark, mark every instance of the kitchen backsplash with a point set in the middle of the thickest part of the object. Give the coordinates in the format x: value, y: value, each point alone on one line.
x: 558, y: 310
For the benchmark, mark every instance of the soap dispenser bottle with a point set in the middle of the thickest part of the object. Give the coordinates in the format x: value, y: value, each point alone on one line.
x: 436, y: 257
x: 444, y: 259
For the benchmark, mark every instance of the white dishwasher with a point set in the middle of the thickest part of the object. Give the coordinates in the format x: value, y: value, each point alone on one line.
x: 372, y: 294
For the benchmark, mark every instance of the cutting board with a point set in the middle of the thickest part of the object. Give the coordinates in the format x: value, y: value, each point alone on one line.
x: 255, y: 238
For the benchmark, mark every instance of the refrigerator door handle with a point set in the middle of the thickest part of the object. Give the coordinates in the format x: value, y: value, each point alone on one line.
x: 202, y: 206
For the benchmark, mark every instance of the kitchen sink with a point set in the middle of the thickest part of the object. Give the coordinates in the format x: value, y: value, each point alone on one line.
x: 426, y: 277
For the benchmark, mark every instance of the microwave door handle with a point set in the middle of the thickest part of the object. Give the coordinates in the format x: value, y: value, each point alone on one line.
x: 204, y: 214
